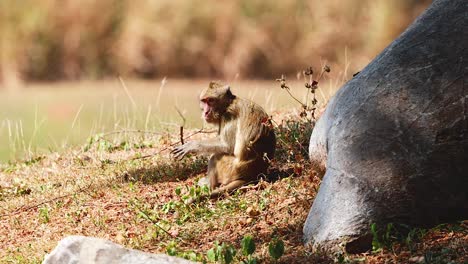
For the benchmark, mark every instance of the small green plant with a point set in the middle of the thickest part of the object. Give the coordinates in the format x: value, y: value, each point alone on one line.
x: 178, y: 190
x: 173, y: 250
x: 44, y: 214
x: 248, y: 245
x: 34, y: 160
x: 340, y: 257
x: 223, y: 253
x: 248, y: 248
x: 183, y: 209
x: 212, y: 254
x: 376, y: 241
x: 194, y: 193
x: 386, y: 237
x: 276, y: 248
x: 413, y: 236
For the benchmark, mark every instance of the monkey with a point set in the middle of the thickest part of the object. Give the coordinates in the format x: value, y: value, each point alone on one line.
x: 245, y: 143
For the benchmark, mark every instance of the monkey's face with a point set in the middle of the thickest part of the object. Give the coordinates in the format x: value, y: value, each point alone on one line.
x: 214, y: 101
x: 209, y: 112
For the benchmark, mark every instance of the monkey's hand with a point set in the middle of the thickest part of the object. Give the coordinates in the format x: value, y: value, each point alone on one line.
x: 180, y: 151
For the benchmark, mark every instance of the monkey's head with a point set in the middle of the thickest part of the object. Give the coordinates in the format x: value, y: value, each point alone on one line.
x: 214, y: 101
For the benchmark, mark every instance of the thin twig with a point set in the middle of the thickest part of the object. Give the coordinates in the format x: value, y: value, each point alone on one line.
x: 173, y: 144
x: 182, y: 126
x: 287, y: 90
x: 308, y: 91
x: 181, y: 132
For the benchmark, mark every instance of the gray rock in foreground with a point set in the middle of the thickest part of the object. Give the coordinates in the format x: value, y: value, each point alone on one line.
x: 394, y: 139
x: 89, y: 250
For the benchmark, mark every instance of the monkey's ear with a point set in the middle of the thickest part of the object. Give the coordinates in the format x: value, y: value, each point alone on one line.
x: 227, y: 92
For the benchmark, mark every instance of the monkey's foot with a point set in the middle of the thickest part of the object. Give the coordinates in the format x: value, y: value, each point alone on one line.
x: 190, y: 200
x: 204, y: 181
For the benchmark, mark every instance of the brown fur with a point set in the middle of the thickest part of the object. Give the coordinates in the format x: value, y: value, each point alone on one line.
x: 244, y: 146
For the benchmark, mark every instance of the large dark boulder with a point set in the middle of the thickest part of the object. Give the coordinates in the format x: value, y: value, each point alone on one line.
x: 394, y: 139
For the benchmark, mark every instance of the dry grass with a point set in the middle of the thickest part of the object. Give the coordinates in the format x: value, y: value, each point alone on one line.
x: 49, y: 117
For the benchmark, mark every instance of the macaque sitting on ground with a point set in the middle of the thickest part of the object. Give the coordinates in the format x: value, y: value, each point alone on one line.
x: 245, y: 143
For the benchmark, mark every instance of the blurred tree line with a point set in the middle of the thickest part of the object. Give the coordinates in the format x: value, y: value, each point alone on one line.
x: 91, y: 39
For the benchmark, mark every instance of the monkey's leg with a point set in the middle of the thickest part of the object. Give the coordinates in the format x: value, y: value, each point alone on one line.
x: 232, y: 173
x: 212, y: 173
x: 227, y: 188
x: 227, y: 175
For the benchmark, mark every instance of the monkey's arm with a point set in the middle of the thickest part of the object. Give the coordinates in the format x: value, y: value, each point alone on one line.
x: 247, y: 134
x: 209, y: 146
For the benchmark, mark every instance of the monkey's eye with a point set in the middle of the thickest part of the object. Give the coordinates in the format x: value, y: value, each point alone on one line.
x: 207, y: 101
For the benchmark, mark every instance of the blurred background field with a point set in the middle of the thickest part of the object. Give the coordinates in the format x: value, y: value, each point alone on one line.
x: 48, y: 117
x: 71, y: 39
x: 60, y: 59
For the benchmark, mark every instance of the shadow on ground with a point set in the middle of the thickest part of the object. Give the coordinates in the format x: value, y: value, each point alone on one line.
x: 166, y: 171
x: 174, y: 171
